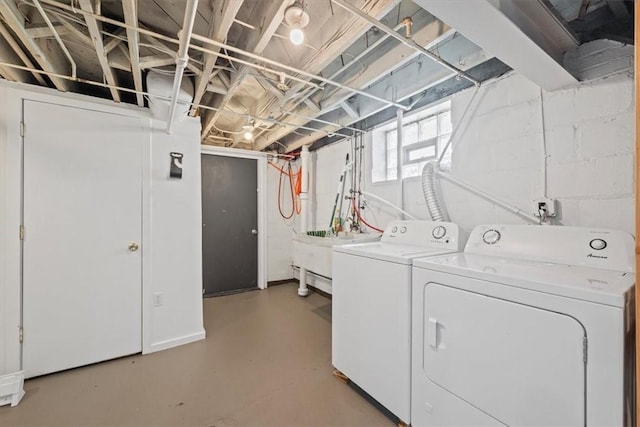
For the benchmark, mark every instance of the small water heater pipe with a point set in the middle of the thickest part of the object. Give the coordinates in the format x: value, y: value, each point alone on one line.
x: 303, y: 291
x: 182, y: 59
x: 380, y: 199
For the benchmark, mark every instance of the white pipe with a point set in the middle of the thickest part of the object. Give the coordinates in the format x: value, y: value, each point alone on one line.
x: 399, y: 157
x: 544, y: 150
x: 488, y: 197
x: 380, y: 199
x: 345, y: 67
x: 458, y: 126
x: 408, y: 42
x: 190, y: 11
x: 164, y: 98
x: 36, y: 3
x: 231, y: 48
x: 303, y: 291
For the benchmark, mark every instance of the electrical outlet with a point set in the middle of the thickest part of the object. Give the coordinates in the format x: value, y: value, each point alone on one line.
x: 158, y: 299
x: 546, y: 205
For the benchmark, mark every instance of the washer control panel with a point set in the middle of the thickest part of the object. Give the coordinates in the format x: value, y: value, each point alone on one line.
x: 429, y: 234
x: 580, y: 246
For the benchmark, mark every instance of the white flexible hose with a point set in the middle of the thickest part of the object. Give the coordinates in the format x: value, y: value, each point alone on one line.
x: 431, y: 195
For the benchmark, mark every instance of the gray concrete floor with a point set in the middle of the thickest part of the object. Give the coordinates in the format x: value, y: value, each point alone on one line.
x: 266, y: 362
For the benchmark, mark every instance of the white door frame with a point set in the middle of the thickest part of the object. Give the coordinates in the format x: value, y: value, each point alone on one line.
x: 262, y: 200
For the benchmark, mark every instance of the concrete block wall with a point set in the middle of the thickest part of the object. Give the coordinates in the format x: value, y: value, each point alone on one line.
x: 587, y: 132
x: 588, y: 135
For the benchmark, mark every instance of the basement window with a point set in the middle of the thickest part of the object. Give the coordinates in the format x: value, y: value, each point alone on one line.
x: 425, y: 135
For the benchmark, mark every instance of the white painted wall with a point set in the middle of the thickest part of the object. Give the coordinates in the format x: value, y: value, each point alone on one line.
x: 589, y: 138
x: 171, y: 224
x: 279, y: 231
x: 175, y: 230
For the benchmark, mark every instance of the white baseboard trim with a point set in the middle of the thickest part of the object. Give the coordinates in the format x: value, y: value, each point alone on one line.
x: 163, y: 345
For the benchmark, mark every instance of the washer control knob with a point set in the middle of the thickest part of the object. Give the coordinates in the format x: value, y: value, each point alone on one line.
x: 491, y: 237
x: 403, y: 230
x: 439, y: 232
x: 598, y: 244
x: 394, y: 229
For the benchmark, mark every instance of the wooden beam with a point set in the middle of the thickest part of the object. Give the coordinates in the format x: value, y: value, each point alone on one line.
x: 130, y: 8
x: 76, y: 32
x: 256, y: 41
x: 115, y: 41
x: 119, y: 59
x: 18, y: 51
x: 429, y: 35
x: 155, y: 61
x: 47, y: 61
x: 95, y: 30
x: 45, y: 31
x: 223, y: 14
x: 349, y: 110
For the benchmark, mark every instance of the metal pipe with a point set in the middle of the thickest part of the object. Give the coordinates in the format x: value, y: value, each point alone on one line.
x: 231, y: 58
x: 458, y: 126
x: 164, y: 98
x: 488, y: 197
x: 399, y: 154
x: 36, y: 3
x: 303, y: 291
x: 190, y: 11
x: 295, y: 70
x: 315, y: 119
x: 408, y: 42
x: 345, y: 67
x: 380, y: 199
x: 172, y: 40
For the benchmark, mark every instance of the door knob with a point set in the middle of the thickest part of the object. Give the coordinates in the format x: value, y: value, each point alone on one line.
x: 133, y: 247
x: 254, y: 231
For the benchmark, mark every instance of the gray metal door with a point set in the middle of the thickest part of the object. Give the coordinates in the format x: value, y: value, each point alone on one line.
x: 229, y: 224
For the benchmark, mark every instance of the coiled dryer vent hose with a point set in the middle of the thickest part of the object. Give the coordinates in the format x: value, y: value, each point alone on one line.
x: 435, y: 206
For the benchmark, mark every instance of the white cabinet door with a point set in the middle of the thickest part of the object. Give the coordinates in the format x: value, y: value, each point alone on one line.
x: 521, y: 365
x: 82, y: 212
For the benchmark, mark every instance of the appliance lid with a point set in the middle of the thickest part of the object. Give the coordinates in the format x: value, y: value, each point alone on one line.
x: 391, y: 252
x: 577, y: 282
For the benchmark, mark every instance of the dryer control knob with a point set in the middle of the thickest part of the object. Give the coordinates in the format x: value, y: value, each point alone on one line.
x: 491, y: 237
x: 598, y: 244
x: 403, y: 230
x: 394, y: 229
x: 439, y: 232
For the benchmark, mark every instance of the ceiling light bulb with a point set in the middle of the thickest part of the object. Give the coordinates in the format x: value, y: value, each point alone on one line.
x: 248, y: 135
x: 296, y: 36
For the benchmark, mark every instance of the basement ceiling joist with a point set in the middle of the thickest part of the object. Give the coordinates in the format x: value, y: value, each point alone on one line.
x: 347, y: 71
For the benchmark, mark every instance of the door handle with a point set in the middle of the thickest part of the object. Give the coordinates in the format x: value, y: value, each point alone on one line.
x: 432, y: 332
x: 254, y: 231
x: 133, y: 246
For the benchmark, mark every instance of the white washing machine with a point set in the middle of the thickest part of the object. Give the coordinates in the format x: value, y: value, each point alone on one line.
x: 371, y: 307
x: 529, y: 326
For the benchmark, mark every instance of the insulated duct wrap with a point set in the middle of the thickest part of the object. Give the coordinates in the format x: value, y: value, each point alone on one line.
x: 431, y: 192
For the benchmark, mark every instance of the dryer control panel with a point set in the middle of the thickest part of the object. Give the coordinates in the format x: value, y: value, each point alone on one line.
x: 580, y: 246
x: 430, y: 234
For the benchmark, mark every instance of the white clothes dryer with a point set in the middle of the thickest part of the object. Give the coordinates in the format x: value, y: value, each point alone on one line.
x: 529, y: 326
x: 371, y: 306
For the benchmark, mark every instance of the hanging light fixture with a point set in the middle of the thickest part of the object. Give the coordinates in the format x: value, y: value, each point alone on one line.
x: 296, y: 18
x: 248, y: 129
